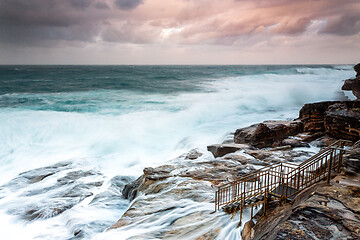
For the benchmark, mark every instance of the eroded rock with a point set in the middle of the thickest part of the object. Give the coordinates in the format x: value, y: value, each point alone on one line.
x: 268, y: 133
x: 321, y: 212
x: 313, y: 114
x: 342, y: 120
x: 294, y: 143
x: 49, y: 191
x: 357, y: 69
x: 352, y: 161
x: 219, y: 150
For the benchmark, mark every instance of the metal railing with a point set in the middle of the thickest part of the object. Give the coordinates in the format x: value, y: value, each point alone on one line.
x: 283, y: 180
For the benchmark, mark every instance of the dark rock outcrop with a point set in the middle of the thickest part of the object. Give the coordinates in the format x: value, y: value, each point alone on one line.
x: 294, y: 143
x: 353, y: 84
x: 347, y: 86
x: 248, y: 231
x: 181, y: 190
x: 219, y: 150
x: 64, y: 188
x: 357, y: 69
x: 352, y: 161
x: 268, y: 133
x: 342, y: 120
x: 321, y: 212
x: 313, y: 114
x: 337, y: 119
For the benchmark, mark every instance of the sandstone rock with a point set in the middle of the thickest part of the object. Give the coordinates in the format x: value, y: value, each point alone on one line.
x: 281, y: 148
x: 180, y: 205
x: 321, y: 212
x: 268, y: 133
x: 244, y: 160
x: 356, y: 88
x: 294, y: 143
x: 338, y: 119
x: 323, y: 141
x: 259, y: 154
x: 310, y: 136
x: 342, y: 120
x: 357, y: 69
x: 271, y: 156
x: 347, y: 86
x: 352, y: 85
x: 248, y: 232
x: 312, y: 115
x: 193, y: 154
x: 352, y: 161
x: 49, y: 191
x: 219, y: 150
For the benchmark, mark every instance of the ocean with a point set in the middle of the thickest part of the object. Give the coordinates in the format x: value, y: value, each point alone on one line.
x: 109, y: 122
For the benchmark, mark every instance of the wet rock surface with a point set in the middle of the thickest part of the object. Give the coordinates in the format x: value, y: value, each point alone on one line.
x: 68, y: 189
x: 184, y: 189
x: 322, y: 212
x: 313, y: 114
x: 342, y: 120
x: 353, y: 84
x: 357, y: 69
x: 52, y: 191
x: 187, y: 184
x: 220, y: 150
x: 352, y: 161
x: 268, y: 133
x: 338, y: 119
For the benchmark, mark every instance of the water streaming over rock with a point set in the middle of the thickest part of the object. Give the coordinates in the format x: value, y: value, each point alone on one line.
x: 71, y: 137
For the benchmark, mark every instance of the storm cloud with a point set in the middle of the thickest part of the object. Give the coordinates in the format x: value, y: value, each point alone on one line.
x: 128, y: 4
x: 243, y: 23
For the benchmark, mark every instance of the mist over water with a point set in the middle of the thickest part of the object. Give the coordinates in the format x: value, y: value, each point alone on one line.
x: 116, y: 120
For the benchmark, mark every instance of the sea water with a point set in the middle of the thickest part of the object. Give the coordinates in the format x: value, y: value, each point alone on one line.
x: 116, y: 120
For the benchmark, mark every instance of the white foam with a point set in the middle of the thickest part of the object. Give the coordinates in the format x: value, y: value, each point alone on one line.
x: 147, y: 129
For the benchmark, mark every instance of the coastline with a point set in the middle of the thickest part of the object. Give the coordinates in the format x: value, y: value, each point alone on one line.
x: 187, y: 183
x: 173, y: 200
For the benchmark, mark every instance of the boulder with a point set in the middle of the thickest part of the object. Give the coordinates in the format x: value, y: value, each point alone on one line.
x: 312, y: 115
x: 294, y: 143
x: 193, y: 154
x: 357, y: 69
x: 352, y: 85
x: 356, y: 88
x: 321, y: 212
x: 352, y: 161
x: 347, y: 86
x: 268, y: 133
x: 49, y: 191
x: 219, y: 150
x: 323, y: 141
x: 342, y: 120
x: 248, y: 232
x: 245, y: 160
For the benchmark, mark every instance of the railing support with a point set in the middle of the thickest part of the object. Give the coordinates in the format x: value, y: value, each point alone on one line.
x: 340, y: 156
x: 330, y: 166
x: 278, y: 179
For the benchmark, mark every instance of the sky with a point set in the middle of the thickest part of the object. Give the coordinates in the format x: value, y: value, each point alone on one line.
x: 179, y: 31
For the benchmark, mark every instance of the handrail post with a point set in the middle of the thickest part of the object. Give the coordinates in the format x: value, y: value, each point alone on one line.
x: 298, y: 180
x: 329, y: 170
x: 340, y: 156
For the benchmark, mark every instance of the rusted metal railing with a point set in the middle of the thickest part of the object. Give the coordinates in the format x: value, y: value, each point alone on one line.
x: 283, y: 180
